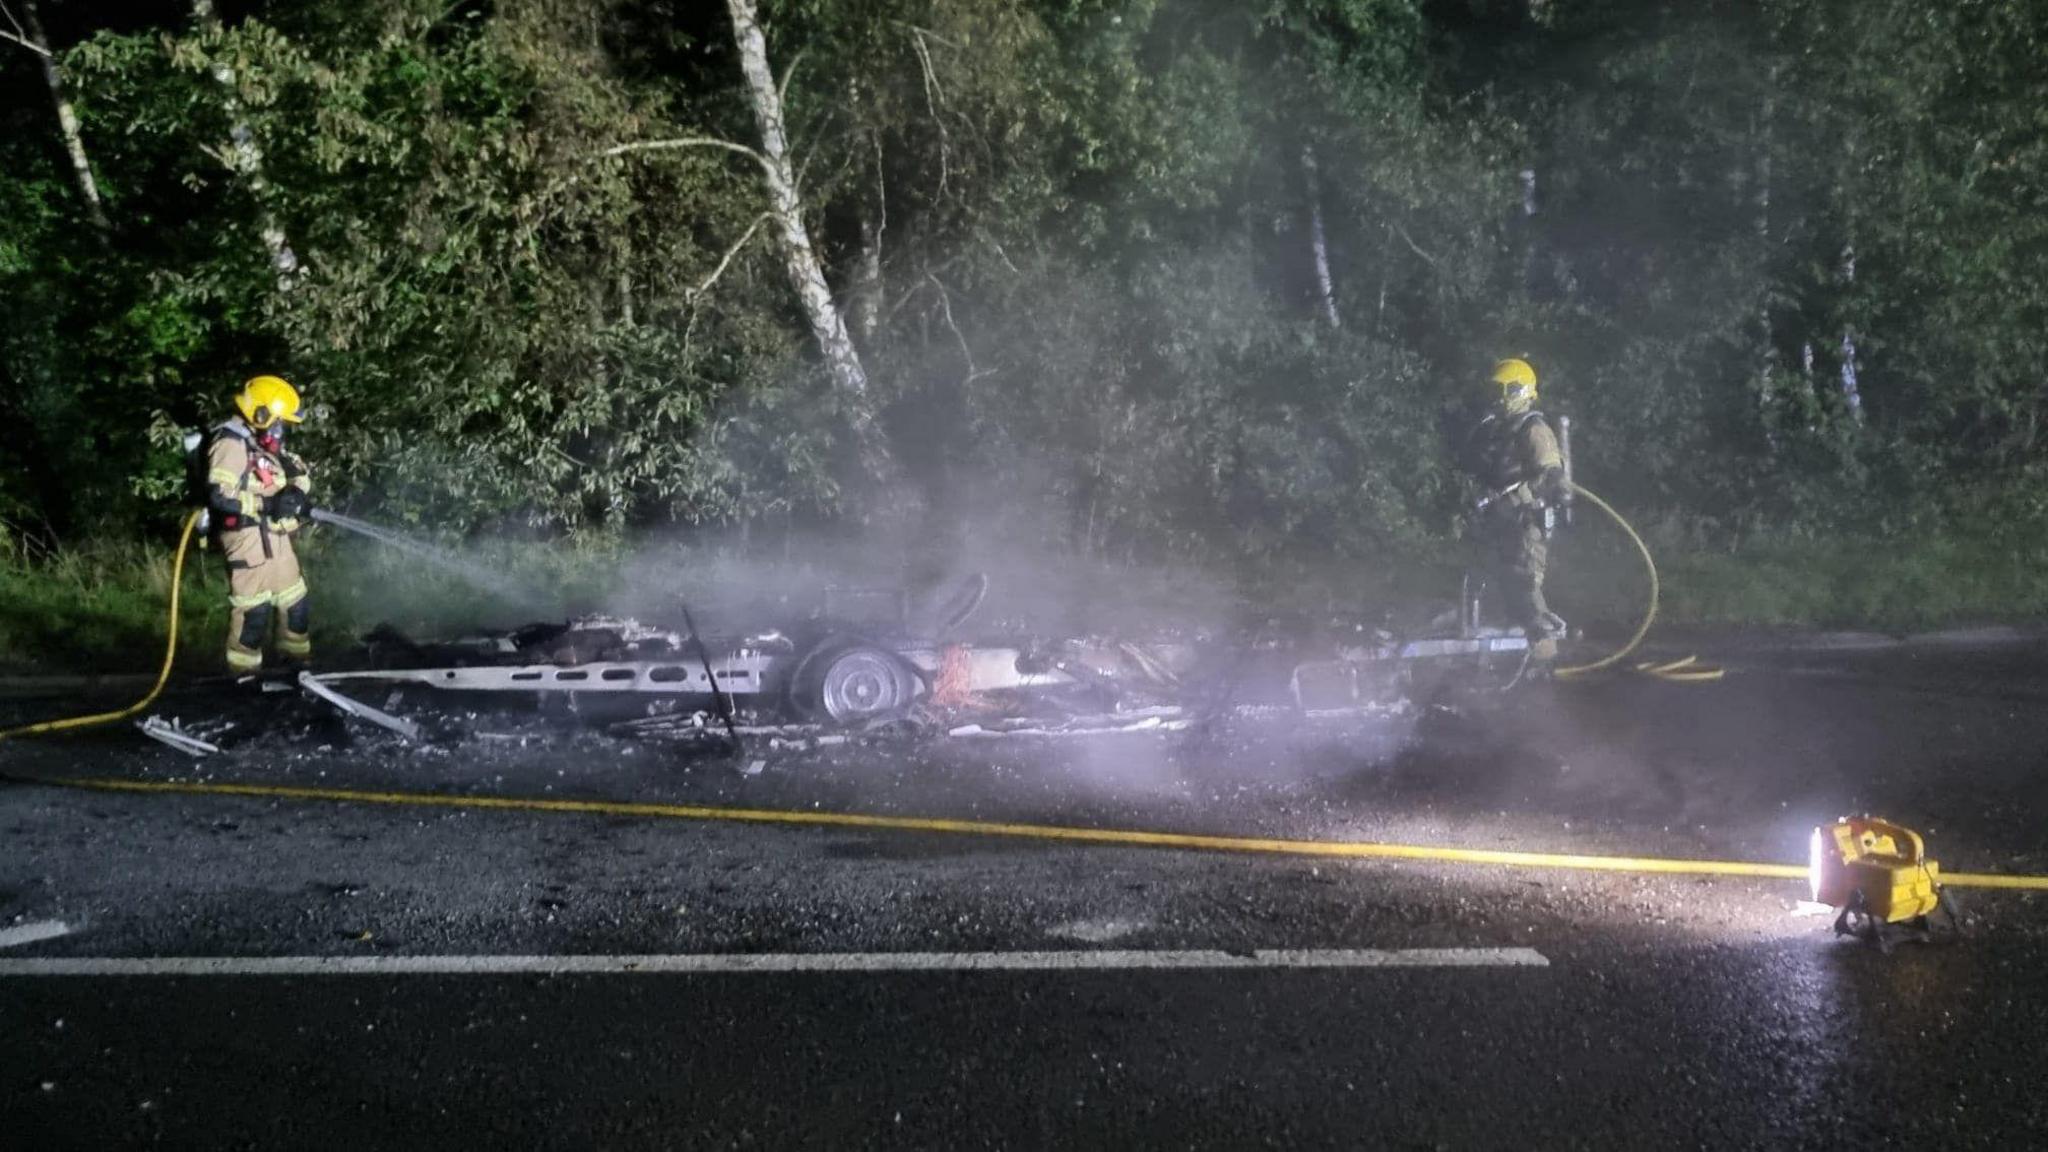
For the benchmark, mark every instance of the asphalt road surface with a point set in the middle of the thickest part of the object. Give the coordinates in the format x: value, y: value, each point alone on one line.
x: 920, y: 989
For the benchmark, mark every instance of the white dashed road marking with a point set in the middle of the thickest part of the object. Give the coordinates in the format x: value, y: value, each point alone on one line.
x: 33, y: 931
x: 1101, y: 931
x: 1076, y: 961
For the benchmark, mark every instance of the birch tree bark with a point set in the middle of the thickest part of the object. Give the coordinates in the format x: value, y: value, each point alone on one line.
x: 828, y: 327
x: 867, y: 276
x: 67, y: 118
x: 247, y: 159
x: 1766, y: 357
x: 1318, y: 239
x: 1528, y: 238
x: 1851, y: 395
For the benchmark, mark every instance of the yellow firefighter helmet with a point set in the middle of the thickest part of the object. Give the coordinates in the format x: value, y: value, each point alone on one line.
x: 1517, y: 382
x: 265, y: 400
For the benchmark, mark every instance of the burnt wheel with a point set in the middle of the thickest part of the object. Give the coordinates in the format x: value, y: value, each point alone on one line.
x: 854, y: 682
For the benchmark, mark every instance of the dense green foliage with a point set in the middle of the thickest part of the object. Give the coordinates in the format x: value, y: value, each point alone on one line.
x: 1095, y: 303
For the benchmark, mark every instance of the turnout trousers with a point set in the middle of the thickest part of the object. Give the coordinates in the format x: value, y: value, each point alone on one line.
x: 264, y: 585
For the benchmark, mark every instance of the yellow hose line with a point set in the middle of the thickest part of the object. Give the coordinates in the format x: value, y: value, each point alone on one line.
x: 1108, y: 836
x: 1994, y: 880
x: 163, y: 674
x: 1649, y: 616
x: 1114, y: 836
x: 1702, y: 676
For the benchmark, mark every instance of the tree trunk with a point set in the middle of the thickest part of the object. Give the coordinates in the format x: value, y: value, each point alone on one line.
x: 248, y: 159
x: 1809, y: 400
x: 1850, y: 395
x: 1767, y: 360
x: 1768, y: 137
x: 828, y: 327
x: 1530, y: 242
x: 1318, y: 239
x: 867, y: 282
x: 867, y: 275
x: 67, y: 119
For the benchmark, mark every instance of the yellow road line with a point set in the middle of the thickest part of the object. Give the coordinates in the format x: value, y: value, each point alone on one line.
x: 1111, y: 836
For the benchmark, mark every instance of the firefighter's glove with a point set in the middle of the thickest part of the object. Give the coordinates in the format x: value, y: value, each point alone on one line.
x: 296, y: 473
x: 285, y: 526
x: 288, y: 504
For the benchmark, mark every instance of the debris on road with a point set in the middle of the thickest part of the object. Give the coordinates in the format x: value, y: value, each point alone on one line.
x: 313, y: 684
x: 173, y: 734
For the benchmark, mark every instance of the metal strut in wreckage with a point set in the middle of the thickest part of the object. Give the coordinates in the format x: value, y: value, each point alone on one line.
x: 847, y: 682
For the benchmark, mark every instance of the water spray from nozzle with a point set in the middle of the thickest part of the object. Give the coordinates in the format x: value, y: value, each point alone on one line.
x: 482, y: 577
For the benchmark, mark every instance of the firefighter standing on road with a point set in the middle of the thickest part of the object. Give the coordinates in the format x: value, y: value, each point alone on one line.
x: 257, y: 494
x: 1514, y: 452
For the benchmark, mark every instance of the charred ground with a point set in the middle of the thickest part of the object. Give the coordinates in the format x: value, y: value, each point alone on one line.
x: 1676, y: 1007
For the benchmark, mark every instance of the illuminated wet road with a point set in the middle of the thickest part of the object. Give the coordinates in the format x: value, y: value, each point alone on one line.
x: 1671, y: 1010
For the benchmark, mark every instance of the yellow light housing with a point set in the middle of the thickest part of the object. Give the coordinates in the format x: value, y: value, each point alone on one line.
x: 1875, y: 867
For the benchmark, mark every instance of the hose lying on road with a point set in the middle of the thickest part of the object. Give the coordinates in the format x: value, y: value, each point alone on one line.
x: 163, y: 674
x: 1683, y: 671
x: 1122, y: 837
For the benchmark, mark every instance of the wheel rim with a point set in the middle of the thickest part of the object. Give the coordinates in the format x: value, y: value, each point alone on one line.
x: 862, y: 683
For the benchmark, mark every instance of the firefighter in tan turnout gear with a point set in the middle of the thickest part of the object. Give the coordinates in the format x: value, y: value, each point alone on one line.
x: 257, y: 494
x: 1514, y: 452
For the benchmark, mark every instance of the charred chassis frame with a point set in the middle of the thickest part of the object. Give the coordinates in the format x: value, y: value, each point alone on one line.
x: 835, y: 672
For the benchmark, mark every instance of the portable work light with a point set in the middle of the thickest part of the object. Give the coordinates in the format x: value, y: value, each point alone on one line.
x: 1877, y: 875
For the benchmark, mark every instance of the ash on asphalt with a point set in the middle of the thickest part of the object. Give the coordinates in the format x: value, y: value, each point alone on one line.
x: 1742, y: 769
x: 1702, y: 1011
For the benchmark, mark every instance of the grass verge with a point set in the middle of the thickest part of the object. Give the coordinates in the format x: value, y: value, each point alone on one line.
x: 102, y: 607
x: 1861, y: 584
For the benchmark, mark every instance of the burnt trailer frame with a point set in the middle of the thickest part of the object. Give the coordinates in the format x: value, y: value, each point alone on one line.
x: 844, y: 676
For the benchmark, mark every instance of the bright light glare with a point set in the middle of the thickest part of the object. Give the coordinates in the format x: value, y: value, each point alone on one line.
x: 1814, y: 863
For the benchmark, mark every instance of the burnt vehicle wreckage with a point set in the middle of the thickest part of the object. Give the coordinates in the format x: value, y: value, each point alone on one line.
x: 873, y: 660
x: 867, y: 661
x: 863, y: 661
